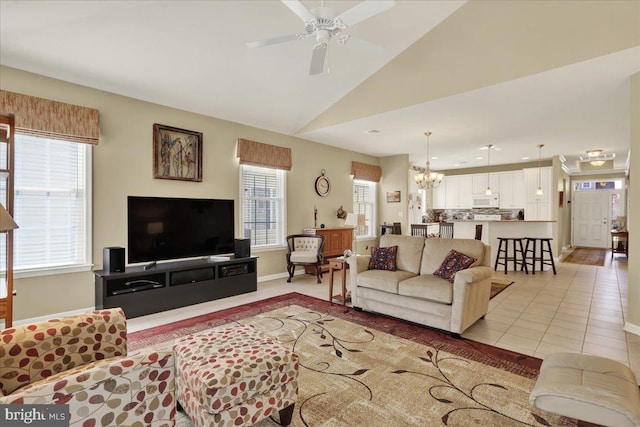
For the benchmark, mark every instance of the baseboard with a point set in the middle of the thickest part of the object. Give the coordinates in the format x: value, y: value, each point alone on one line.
x: 631, y: 328
x: 279, y: 276
x: 52, y: 316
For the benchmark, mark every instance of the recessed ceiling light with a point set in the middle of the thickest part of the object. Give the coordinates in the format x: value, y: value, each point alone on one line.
x: 434, y: 158
x: 497, y: 148
x: 479, y: 158
x: 456, y: 164
x: 525, y: 158
x: 371, y: 131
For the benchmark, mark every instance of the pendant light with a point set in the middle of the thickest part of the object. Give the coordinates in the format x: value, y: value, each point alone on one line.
x: 428, y: 179
x: 488, y: 191
x: 539, y: 191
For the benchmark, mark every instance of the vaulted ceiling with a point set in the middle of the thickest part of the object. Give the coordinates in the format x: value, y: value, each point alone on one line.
x: 514, y: 74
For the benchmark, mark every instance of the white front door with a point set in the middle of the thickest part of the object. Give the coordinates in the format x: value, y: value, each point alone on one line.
x: 591, y: 223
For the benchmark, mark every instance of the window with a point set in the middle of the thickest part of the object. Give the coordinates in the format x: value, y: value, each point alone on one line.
x: 51, y: 204
x: 263, y: 206
x: 364, y: 202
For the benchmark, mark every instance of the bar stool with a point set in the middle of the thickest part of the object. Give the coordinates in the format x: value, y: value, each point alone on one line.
x: 545, y: 249
x: 503, y: 258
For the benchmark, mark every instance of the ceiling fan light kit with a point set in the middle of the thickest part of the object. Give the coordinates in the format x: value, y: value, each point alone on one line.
x: 323, y: 24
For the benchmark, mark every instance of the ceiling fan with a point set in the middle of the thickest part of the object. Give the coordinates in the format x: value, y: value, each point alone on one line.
x: 323, y: 24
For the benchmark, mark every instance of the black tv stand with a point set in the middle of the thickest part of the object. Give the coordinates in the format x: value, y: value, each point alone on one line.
x: 150, y: 265
x: 150, y: 289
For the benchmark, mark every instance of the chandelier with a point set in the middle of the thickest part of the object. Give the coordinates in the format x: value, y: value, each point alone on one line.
x: 426, y: 179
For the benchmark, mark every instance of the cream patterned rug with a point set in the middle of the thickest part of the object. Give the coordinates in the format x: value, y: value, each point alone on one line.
x: 355, y: 375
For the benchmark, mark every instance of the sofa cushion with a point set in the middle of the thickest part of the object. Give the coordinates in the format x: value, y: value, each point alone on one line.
x: 409, y: 250
x: 428, y: 287
x: 383, y: 280
x: 383, y: 258
x: 436, y: 250
x: 454, y: 262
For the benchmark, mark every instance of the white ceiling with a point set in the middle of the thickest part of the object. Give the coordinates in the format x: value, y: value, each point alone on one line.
x: 192, y: 55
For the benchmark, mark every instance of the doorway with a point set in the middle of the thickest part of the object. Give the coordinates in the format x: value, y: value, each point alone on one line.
x: 591, y: 219
x: 595, y: 209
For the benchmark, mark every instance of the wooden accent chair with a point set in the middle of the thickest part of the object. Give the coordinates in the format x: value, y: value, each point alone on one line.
x: 478, y: 232
x: 446, y: 230
x: 305, y: 249
x: 397, y: 228
x: 419, y: 230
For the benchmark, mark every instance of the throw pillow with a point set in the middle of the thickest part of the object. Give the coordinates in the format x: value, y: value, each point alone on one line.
x: 453, y: 262
x: 383, y: 258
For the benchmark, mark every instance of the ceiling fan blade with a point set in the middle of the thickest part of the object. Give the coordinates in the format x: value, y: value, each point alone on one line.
x: 273, y: 40
x: 352, y: 42
x: 299, y: 9
x: 317, y: 59
x: 364, y: 10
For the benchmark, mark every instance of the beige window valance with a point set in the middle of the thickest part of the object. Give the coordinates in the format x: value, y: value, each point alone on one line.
x: 366, y: 171
x: 51, y: 119
x: 265, y: 155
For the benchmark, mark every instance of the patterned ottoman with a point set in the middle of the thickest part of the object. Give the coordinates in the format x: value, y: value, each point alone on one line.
x: 235, y: 376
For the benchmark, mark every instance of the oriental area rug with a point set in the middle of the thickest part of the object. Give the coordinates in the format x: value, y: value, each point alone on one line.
x: 499, y: 285
x: 362, y: 369
x: 586, y: 256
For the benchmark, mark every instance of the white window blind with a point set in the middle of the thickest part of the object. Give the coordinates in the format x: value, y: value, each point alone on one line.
x: 263, y: 205
x: 364, y: 202
x: 51, y: 203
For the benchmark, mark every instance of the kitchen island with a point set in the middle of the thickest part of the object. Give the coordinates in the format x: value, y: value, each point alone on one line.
x: 491, y: 230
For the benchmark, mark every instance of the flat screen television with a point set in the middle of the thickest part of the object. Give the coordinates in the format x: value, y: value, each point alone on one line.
x: 162, y: 228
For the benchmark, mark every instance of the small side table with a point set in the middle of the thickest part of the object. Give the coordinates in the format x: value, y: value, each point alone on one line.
x: 619, y: 242
x: 339, y: 263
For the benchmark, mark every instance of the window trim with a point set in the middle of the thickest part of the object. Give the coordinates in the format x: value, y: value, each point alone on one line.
x: 87, y: 264
x: 283, y: 232
x: 374, y: 210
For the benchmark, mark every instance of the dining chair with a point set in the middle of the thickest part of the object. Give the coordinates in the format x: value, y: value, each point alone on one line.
x: 446, y: 230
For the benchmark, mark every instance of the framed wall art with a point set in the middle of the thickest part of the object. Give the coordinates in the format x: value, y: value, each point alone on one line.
x: 393, y: 197
x: 177, y: 153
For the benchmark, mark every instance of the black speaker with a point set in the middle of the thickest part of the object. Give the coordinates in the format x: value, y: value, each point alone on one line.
x: 242, y: 248
x: 113, y: 259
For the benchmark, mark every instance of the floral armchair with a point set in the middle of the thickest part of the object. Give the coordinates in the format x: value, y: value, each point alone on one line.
x: 82, y: 361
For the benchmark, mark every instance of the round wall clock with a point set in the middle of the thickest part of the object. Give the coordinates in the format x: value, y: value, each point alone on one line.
x: 323, y: 186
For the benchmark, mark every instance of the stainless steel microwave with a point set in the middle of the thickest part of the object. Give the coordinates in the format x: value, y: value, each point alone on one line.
x: 483, y: 201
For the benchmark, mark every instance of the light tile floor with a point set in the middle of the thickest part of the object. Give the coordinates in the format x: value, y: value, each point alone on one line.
x: 581, y: 309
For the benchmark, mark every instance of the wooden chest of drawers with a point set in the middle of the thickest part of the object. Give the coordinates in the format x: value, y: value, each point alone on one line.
x: 337, y: 240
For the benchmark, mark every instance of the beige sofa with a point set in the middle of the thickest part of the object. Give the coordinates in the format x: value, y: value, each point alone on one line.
x: 413, y: 293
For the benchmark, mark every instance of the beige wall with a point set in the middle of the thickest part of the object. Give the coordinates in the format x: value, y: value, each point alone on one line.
x: 562, y: 228
x: 633, y: 220
x: 394, y: 179
x: 122, y: 166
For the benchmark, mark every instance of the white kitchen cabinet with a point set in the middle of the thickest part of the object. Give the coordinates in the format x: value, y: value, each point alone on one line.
x: 451, y: 191
x: 539, y: 211
x: 479, y: 184
x: 439, y: 196
x: 512, y: 190
x: 465, y: 192
x: 531, y: 184
x: 458, y: 192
